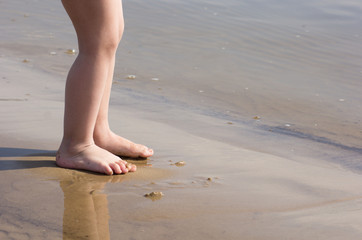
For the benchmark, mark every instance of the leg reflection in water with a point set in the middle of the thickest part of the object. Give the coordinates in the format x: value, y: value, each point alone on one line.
x: 85, y: 209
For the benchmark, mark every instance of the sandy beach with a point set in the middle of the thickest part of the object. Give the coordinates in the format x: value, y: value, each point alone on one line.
x: 263, y: 106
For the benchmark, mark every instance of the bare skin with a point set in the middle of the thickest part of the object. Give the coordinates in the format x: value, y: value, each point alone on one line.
x: 88, y: 143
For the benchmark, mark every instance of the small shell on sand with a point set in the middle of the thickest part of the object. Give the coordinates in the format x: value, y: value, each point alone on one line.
x: 131, y: 76
x: 154, y: 195
x: 53, y: 53
x: 209, y: 179
x: 256, y: 117
x: 71, y: 51
x: 26, y: 60
x: 180, y: 164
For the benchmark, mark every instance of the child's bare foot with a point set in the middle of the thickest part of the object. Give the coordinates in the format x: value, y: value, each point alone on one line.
x: 93, y: 158
x: 121, y: 146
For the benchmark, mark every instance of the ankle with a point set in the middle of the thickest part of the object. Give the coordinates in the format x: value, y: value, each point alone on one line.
x: 101, y: 133
x: 71, y: 147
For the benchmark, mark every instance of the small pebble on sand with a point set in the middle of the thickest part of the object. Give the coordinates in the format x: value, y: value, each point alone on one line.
x: 180, y: 164
x: 71, y: 51
x: 131, y: 77
x: 154, y: 195
x: 256, y: 117
x: 155, y: 79
x: 26, y: 61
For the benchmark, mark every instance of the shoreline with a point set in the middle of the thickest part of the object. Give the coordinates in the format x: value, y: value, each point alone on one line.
x: 245, y: 186
x: 266, y: 157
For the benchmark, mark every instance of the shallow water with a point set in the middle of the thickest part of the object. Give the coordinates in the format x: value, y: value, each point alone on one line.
x: 212, y: 79
x: 295, y: 66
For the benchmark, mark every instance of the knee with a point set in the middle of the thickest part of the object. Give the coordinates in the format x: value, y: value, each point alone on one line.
x: 102, y: 45
x: 111, y: 41
x: 108, y: 43
x: 105, y: 43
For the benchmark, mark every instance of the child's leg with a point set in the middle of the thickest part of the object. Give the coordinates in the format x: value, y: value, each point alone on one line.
x: 110, y: 141
x: 96, y: 23
x: 103, y: 136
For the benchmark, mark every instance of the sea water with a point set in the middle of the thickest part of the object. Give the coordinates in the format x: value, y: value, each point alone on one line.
x: 289, y: 70
x: 282, y: 77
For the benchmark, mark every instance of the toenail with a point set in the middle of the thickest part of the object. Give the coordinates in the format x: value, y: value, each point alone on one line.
x: 129, y: 166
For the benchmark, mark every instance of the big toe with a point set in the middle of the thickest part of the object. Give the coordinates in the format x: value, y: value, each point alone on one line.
x: 146, y: 152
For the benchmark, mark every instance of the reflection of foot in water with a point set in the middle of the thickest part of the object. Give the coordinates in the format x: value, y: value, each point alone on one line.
x: 92, y: 158
x: 85, y: 210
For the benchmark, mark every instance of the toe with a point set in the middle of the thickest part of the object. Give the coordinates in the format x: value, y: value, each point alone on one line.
x: 123, y: 166
x: 108, y: 170
x: 116, y: 168
x: 147, y: 152
x: 132, y: 168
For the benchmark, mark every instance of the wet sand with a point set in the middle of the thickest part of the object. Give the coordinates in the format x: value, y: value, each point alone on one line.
x: 223, y: 191
x: 265, y: 157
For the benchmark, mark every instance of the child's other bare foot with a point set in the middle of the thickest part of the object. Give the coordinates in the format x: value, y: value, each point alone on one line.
x: 93, y: 158
x: 121, y: 146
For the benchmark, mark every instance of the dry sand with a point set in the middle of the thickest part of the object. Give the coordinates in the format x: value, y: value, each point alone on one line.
x: 242, y: 179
